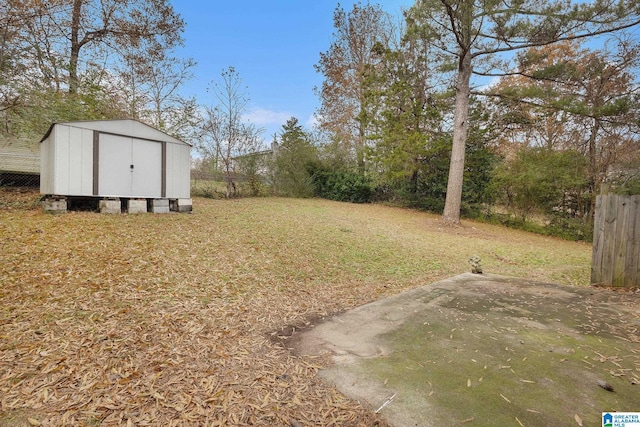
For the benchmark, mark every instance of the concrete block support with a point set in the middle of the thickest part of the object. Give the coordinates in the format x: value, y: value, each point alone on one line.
x: 55, y: 205
x: 159, y: 205
x: 136, y: 206
x: 109, y: 206
x: 182, y: 205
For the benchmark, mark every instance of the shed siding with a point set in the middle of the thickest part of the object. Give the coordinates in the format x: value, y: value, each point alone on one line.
x: 47, y: 163
x: 85, y: 178
x: 184, y: 190
x: 74, y: 157
x: 61, y: 155
x: 178, y: 171
x: 79, y: 157
x: 68, y: 162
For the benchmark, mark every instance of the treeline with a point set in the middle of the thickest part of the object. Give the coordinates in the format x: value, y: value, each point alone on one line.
x: 514, y: 111
x: 550, y: 112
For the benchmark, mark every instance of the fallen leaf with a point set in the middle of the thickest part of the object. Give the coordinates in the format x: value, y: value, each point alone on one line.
x: 578, y: 419
x: 133, y: 310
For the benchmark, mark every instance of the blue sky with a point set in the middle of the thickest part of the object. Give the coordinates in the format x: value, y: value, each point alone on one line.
x: 272, y: 44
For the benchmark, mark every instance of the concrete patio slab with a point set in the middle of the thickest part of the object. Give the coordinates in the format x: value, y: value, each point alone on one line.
x: 479, y: 349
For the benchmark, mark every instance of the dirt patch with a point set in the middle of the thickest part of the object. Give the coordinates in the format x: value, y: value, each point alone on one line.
x: 486, y: 350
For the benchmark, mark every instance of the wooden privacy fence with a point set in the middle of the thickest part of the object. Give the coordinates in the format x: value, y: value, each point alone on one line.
x: 616, y: 241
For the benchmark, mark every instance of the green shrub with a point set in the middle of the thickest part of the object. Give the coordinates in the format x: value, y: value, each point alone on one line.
x: 342, y: 186
x: 570, y: 229
x: 254, y: 187
x: 574, y: 229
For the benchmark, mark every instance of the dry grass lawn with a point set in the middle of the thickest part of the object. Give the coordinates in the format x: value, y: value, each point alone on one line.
x: 179, y: 319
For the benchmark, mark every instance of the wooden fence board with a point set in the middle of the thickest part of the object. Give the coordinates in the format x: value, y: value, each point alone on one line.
x: 620, y: 243
x: 616, y: 241
x: 597, y: 252
x: 632, y: 263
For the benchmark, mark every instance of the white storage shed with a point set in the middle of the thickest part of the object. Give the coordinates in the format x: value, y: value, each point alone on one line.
x: 114, y: 159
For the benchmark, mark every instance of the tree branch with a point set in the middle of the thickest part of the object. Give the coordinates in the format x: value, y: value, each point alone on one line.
x: 557, y: 39
x: 547, y: 107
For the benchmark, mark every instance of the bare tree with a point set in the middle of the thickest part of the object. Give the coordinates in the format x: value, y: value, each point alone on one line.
x: 226, y: 135
x: 152, y: 92
x: 151, y: 25
x: 62, y: 38
x: 59, y: 60
x: 170, y: 111
x: 10, y: 66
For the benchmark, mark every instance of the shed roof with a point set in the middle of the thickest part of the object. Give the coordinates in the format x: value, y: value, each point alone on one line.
x: 129, y: 127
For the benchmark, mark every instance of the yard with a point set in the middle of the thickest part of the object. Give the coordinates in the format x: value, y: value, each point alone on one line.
x: 182, y: 319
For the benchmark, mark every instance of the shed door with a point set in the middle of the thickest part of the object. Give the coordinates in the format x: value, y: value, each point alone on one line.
x: 129, y: 167
x: 147, y: 169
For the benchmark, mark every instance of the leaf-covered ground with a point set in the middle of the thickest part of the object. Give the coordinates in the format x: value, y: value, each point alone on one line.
x: 178, y: 319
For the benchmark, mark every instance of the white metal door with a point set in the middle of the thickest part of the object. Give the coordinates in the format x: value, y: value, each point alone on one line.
x: 114, y: 167
x: 147, y: 169
x: 129, y: 167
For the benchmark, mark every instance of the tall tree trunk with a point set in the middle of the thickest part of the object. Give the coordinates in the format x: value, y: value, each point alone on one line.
x: 453, y: 200
x: 360, y: 148
x: 75, y: 46
x: 594, y: 180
